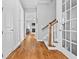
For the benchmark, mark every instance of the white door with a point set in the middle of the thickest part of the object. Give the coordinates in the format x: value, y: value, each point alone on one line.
x: 7, y: 32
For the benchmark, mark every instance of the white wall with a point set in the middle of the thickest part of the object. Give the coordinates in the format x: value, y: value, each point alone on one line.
x: 46, y: 12
x: 13, y: 17
x: 21, y: 23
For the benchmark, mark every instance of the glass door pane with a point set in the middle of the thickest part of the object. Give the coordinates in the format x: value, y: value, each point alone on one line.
x: 74, y: 37
x: 63, y: 34
x: 74, y: 25
x: 68, y: 36
x: 68, y: 25
x: 63, y: 8
x: 63, y: 26
x: 68, y: 46
x: 73, y: 2
x: 63, y: 1
x: 67, y: 4
x: 68, y: 15
x: 74, y: 12
x: 74, y: 49
x: 63, y: 43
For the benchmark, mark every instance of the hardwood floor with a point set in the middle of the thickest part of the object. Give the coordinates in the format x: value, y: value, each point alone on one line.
x: 30, y: 48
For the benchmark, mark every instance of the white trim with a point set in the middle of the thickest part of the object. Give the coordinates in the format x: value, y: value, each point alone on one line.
x: 67, y: 53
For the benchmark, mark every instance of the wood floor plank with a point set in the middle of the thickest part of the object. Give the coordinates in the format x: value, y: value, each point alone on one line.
x: 30, y: 48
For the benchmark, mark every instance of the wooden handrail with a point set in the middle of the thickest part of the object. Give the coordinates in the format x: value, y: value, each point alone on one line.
x: 50, y: 25
x: 52, y: 22
x: 44, y: 27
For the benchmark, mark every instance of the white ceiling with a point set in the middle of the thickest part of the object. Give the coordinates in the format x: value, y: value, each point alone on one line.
x: 33, y: 3
x: 30, y: 7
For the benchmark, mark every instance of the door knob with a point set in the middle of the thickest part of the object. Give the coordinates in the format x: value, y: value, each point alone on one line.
x: 2, y: 32
x: 12, y: 30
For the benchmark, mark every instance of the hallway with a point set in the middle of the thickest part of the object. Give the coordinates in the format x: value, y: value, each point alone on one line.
x: 52, y: 25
